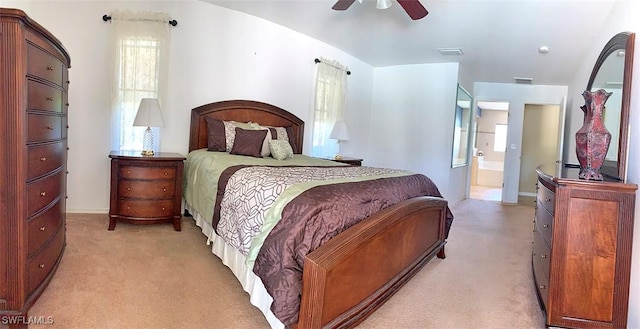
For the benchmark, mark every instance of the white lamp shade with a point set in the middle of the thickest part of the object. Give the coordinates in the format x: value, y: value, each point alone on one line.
x: 383, y: 4
x: 149, y: 114
x: 340, y: 131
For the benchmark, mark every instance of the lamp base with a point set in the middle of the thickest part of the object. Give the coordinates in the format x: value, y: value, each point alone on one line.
x: 147, y: 153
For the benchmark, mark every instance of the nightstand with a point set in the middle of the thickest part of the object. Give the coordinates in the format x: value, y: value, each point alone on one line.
x: 146, y: 189
x: 348, y: 160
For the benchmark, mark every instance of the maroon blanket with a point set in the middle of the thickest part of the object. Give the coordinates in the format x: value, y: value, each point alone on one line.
x: 317, y: 215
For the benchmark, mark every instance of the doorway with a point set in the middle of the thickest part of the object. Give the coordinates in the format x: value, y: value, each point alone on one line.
x: 540, y: 145
x: 487, y: 165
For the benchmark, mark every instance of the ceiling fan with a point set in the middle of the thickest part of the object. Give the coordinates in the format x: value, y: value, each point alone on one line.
x: 414, y: 8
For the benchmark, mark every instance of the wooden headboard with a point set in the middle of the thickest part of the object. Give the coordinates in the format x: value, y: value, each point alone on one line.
x: 244, y: 111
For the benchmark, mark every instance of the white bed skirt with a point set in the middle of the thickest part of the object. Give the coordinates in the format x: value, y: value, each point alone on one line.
x: 233, y: 259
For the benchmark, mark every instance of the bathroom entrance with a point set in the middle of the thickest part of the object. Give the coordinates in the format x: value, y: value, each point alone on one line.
x: 487, y: 165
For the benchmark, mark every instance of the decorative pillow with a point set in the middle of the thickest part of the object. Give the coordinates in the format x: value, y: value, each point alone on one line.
x: 230, y: 132
x: 248, y: 142
x: 280, y: 149
x: 216, y: 138
x: 266, y: 151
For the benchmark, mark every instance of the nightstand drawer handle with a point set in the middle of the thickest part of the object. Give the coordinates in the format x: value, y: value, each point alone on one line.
x: 43, y: 193
x: 547, y: 200
x: 50, y: 99
x: 166, y: 173
x: 542, y: 286
x: 163, y: 208
x: 42, y: 228
x: 43, y: 159
x: 128, y: 188
x: 164, y: 189
x: 49, y: 68
x: 545, y: 225
x: 41, y: 265
x: 543, y: 256
x: 128, y: 208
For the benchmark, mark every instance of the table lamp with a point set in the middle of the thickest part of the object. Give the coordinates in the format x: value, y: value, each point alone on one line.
x: 149, y: 115
x: 341, y: 133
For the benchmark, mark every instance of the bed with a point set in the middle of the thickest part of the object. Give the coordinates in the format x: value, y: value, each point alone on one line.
x: 355, y: 268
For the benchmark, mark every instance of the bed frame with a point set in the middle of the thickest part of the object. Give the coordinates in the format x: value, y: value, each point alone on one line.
x: 350, y: 276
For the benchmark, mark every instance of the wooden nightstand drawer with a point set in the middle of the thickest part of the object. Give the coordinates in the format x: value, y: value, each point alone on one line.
x: 145, y: 208
x: 144, y: 172
x: 159, y: 189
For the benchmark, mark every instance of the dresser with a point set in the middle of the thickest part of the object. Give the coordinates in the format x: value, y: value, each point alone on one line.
x: 581, y: 255
x: 146, y: 189
x: 33, y: 149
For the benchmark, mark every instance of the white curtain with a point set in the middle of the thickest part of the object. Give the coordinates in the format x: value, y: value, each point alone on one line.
x: 330, y: 98
x: 140, y: 57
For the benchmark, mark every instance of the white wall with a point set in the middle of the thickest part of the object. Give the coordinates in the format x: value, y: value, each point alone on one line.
x: 517, y: 96
x: 216, y: 54
x: 623, y: 17
x: 412, y: 116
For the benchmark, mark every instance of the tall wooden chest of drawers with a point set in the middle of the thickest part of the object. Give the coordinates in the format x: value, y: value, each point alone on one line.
x: 581, y: 256
x: 33, y: 149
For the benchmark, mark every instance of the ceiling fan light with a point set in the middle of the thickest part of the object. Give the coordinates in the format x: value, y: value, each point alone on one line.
x: 383, y: 4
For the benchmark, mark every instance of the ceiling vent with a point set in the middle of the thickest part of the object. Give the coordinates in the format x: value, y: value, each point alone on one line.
x: 523, y: 81
x: 450, y: 51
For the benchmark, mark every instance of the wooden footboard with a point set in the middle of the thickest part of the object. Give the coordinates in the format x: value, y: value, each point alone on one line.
x: 353, y: 274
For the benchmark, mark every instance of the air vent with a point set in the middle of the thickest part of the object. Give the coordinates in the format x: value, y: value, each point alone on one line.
x: 450, y: 51
x: 523, y: 81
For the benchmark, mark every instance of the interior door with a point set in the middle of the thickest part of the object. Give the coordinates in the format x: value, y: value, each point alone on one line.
x: 561, y: 113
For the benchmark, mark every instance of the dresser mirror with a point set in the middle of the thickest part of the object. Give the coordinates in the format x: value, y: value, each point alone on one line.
x: 612, y: 72
x: 462, y: 123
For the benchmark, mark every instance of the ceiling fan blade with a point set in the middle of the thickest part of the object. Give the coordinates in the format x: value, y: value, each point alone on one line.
x: 342, y: 4
x: 414, y: 8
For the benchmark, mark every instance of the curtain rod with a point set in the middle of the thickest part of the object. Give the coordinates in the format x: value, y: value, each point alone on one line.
x: 319, y: 61
x: 172, y: 22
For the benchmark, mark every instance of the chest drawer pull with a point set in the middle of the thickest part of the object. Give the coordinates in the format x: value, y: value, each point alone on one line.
x: 545, y: 225
x: 42, y: 228
x: 41, y: 265
x: 164, y: 189
x: 128, y: 189
x: 166, y: 173
x: 49, y: 68
x: 50, y: 127
x: 43, y: 159
x: 542, y: 286
x: 49, y: 98
x: 543, y: 256
x: 43, y: 193
x: 547, y: 200
x: 163, y: 208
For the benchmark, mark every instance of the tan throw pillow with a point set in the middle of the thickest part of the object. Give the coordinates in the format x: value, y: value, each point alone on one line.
x: 280, y: 149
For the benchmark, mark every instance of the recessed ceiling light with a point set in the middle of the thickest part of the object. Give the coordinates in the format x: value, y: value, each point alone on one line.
x: 521, y: 80
x: 450, y: 51
x: 543, y: 50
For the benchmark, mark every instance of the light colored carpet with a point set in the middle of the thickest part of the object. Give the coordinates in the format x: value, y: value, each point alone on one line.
x: 154, y: 277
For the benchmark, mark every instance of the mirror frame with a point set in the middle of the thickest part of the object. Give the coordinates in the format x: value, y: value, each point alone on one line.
x: 466, y: 141
x: 621, y: 41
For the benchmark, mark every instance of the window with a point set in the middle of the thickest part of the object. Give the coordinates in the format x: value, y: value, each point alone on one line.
x: 140, y: 45
x: 331, y: 85
x: 500, y: 139
x: 138, y: 78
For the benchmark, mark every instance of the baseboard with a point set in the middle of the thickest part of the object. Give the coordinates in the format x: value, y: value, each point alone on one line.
x: 87, y: 211
x: 527, y: 194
